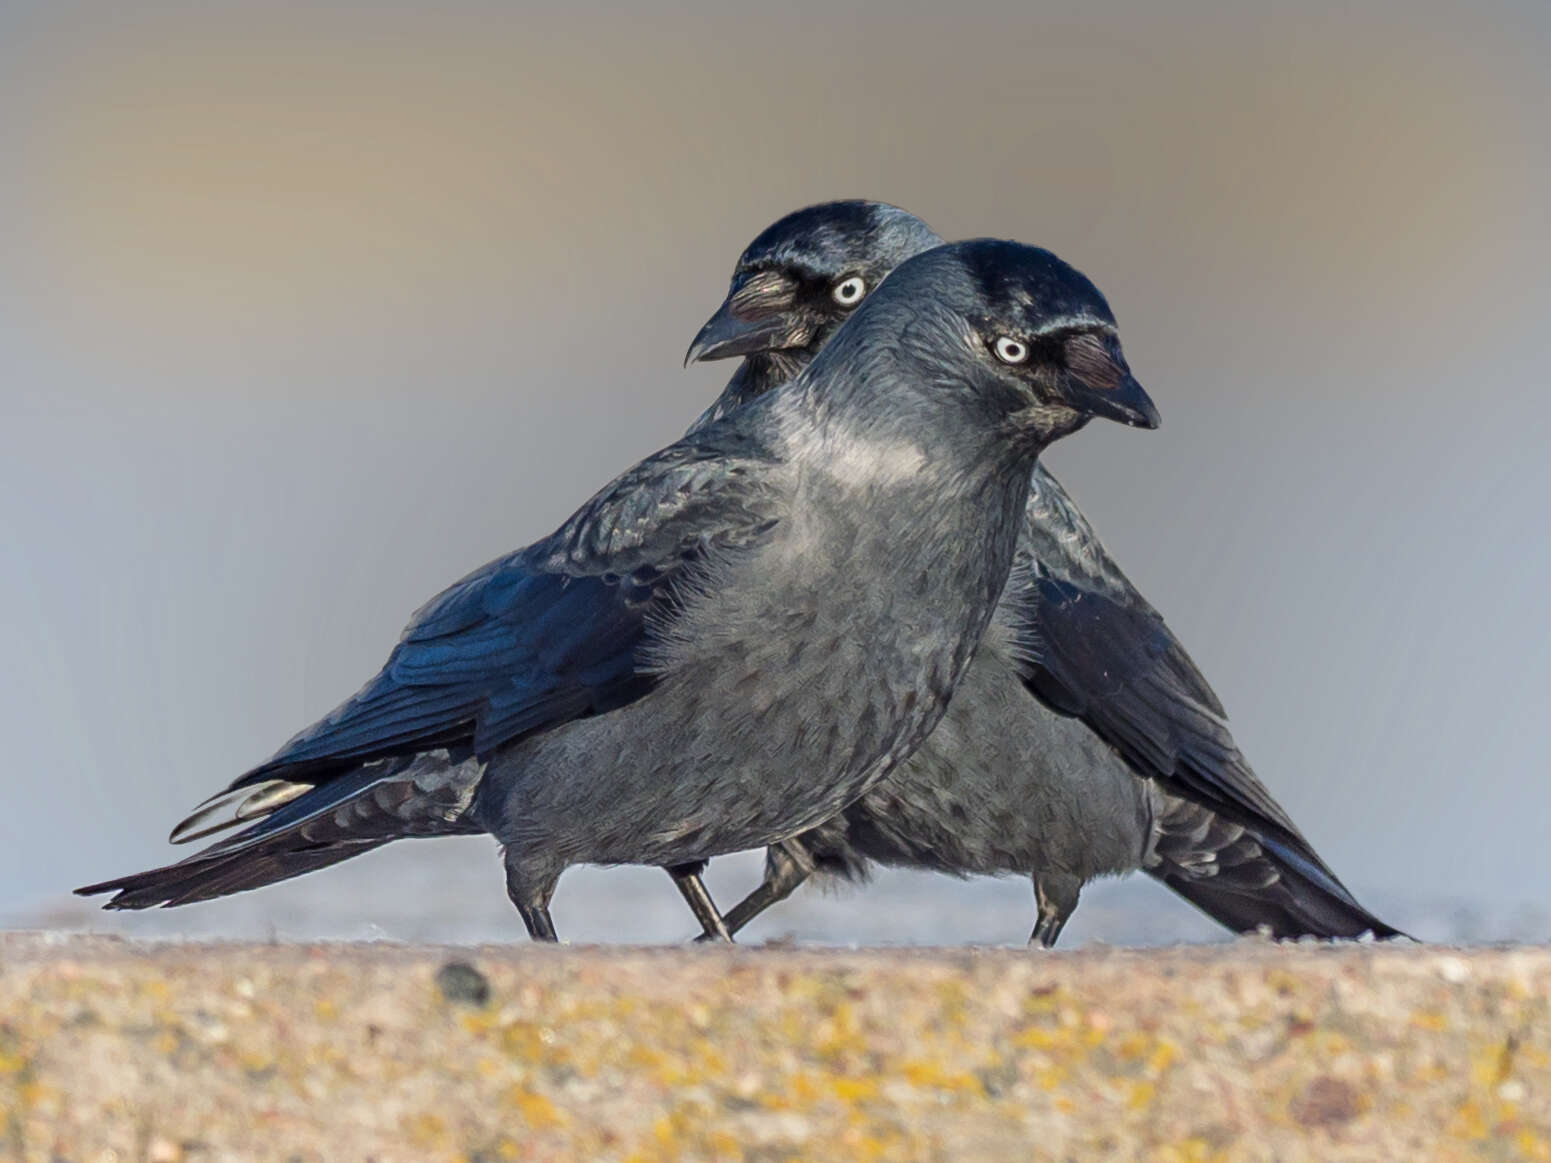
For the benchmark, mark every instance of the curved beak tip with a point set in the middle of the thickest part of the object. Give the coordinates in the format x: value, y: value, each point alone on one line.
x: 710, y: 339
x: 703, y: 347
x: 727, y: 334
x: 1135, y: 405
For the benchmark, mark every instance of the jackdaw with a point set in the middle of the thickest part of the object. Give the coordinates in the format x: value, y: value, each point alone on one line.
x: 1083, y: 741
x: 732, y: 641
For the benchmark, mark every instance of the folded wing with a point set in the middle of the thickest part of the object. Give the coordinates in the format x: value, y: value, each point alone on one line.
x: 1095, y: 649
x: 549, y: 633
x: 533, y: 640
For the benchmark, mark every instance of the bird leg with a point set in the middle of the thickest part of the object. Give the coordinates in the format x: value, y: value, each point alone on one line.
x: 687, y: 878
x: 783, y: 873
x: 1055, y: 899
x: 531, y: 896
x: 540, y: 926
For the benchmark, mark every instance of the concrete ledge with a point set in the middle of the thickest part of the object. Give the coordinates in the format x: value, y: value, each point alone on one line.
x: 166, y: 1052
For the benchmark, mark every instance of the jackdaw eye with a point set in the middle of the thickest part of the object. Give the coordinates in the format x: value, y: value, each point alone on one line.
x: 849, y: 292
x: 1010, y: 350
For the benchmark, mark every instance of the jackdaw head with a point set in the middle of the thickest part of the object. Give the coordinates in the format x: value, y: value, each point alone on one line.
x: 805, y: 274
x: 1033, y: 334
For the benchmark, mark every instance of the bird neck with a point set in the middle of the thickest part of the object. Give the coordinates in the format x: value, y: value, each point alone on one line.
x: 898, y: 395
x: 757, y: 376
x: 1041, y: 425
x: 920, y: 443
x: 763, y: 372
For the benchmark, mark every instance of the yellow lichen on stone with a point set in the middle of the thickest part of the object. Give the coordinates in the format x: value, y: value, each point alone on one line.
x: 536, y: 1111
x: 1249, y: 1050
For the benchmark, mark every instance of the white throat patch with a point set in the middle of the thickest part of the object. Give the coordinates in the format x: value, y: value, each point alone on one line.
x: 861, y: 462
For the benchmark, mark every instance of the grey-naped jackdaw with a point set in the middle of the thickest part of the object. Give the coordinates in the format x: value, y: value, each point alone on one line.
x: 732, y: 641
x: 1083, y: 741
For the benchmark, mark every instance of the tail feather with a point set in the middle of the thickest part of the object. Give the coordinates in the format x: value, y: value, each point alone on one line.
x: 307, y: 829
x: 234, y: 806
x: 211, y: 874
x: 1248, y: 879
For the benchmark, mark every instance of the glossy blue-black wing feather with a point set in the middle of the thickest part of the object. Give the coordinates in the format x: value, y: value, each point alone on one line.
x: 515, y: 651
x: 1093, y: 647
x: 1116, y: 666
x: 550, y: 633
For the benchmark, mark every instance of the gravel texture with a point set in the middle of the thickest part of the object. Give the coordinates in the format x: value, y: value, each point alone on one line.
x: 113, y: 1050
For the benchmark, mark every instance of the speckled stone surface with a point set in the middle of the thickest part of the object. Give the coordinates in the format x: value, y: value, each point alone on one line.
x: 166, y: 1052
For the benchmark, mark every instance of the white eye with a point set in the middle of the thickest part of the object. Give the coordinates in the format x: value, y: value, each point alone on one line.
x: 849, y: 292
x: 1010, y: 350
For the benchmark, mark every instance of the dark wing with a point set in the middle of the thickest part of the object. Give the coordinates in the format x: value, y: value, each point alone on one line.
x: 1096, y: 649
x: 1248, y: 879
x: 548, y: 634
x: 552, y: 632
x: 422, y: 795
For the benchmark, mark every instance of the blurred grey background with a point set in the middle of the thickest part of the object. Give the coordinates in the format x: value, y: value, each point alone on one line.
x: 305, y: 310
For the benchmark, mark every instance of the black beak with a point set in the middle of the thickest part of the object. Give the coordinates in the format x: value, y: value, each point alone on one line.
x: 1102, y: 385
x: 1126, y: 402
x: 727, y: 334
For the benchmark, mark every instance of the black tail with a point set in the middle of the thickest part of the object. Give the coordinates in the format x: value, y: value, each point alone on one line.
x: 423, y: 796
x: 1249, y: 879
